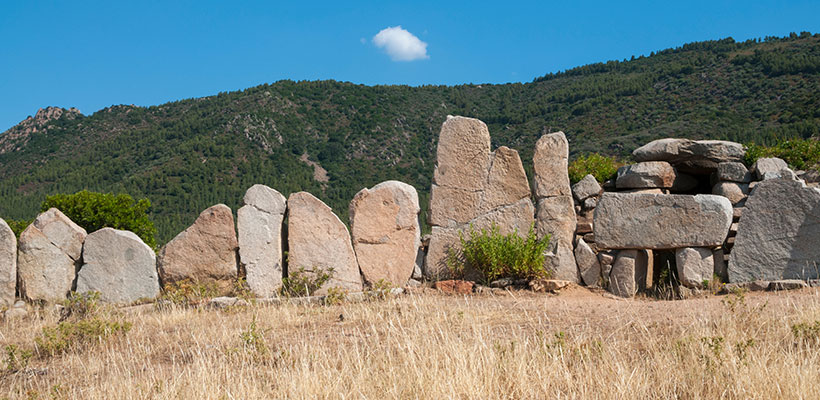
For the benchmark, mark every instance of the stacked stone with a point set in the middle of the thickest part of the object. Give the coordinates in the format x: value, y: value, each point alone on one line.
x: 586, y: 193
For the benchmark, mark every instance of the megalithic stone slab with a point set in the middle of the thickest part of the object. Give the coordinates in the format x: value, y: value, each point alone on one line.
x: 318, y: 240
x: 203, y: 253
x: 384, y: 224
x: 259, y: 223
x: 550, y: 161
x: 778, y: 235
x: 62, y: 231
x: 8, y: 265
x: 119, y: 265
x: 658, y: 221
x: 44, y: 271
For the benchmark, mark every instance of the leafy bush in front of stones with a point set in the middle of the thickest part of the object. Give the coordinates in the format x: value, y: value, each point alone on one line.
x: 601, y: 167
x: 18, y: 226
x: 94, y: 211
x: 493, y: 256
x: 798, y: 153
x: 808, y: 333
x: 302, y: 283
x: 187, y: 293
x: 16, y: 358
x: 379, y: 289
x: 69, y: 335
x: 334, y: 296
x: 80, y: 305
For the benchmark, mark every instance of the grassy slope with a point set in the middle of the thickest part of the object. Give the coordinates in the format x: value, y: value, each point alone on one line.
x: 188, y: 155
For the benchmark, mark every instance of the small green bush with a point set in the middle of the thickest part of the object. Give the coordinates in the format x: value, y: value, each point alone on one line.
x: 601, y: 167
x: 301, y: 283
x: 18, y: 226
x: 80, y: 305
x: 16, y: 358
x: 94, y: 211
x: 66, y: 335
x: 798, y: 153
x: 493, y: 255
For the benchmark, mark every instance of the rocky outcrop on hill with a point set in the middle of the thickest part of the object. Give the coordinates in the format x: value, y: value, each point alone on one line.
x: 204, y: 253
x: 473, y: 186
x: 17, y: 137
x: 8, y: 265
x: 384, y: 224
x: 318, y: 241
x: 118, y: 265
x: 259, y: 223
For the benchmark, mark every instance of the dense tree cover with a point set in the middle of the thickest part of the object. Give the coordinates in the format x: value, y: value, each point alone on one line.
x: 188, y: 155
x: 94, y: 211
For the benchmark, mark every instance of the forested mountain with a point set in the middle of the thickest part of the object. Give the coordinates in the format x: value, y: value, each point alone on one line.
x: 187, y: 155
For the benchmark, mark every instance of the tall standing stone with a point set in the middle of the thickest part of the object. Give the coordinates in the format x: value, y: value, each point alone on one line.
x: 319, y: 241
x: 119, y: 265
x: 62, y: 231
x: 44, y: 271
x: 259, y: 223
x: 555, y: 213
x: 203, y: 253
x: 384, y: 224
x: 778, y: 236
x: 8, y: 265
x: 473, y: 186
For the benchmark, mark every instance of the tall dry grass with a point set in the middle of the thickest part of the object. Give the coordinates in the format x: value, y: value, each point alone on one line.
x: 430, y: 346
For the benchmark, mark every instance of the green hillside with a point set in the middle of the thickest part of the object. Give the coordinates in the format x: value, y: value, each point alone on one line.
x: 187, y: 155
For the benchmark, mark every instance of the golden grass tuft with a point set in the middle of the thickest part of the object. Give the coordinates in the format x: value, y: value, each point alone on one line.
x: 522, y: 345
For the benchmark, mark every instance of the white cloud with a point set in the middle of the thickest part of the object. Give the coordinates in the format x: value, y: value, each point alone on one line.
x: 400, y: 44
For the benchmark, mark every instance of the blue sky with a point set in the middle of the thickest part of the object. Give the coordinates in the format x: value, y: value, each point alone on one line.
x: 93, y: 54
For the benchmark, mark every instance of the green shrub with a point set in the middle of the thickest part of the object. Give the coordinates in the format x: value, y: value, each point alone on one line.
x: 66, y: 335
x: 493, y: 255
x: 80, y: 305
x: 798, y: 153
x: 18, y: 226
x: 301, y: 283
x: 16, y: 358
x: 188, y: 293
x: 94, y: 211
x: 601, y: 167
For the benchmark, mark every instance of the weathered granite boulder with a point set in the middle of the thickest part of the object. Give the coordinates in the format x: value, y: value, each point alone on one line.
x: 119, y: 265
x: 733, y: 191
x: 319, y: 241
x: 203, y: 253
x: 588, y: 264
x: 62, y: 231
x: 647, y: 221
x: 690, y: 155
x: 8, y: 265
x: 695, y: 265
x: 472, y: 185
x: 770, y: 164
x: 650, y: 174
x: 555, y: 211
x: 586, y: 188
x: 44, y: 271
x: 259, y: 223
x: 384, y: 225
x: 733, y: 171
x: 779, y: 234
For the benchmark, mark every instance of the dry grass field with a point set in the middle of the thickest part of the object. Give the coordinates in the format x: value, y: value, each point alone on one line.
x: 578, y: 344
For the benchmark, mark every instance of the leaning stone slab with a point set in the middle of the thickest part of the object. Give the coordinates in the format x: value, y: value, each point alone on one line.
x: 8, y: 265
x: 588, y: 265
x: 203, y: 253
x: 319, y: 241
x: 650, y: 221
x: 384, y: 224
x: 44, y: 271
x: 646, y: 175
x: 779, y: 233
x: 62, y: 231
x: 586, y: 188
x: 259, y: 223
x: 695, y: 265
x: 119, y: 265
